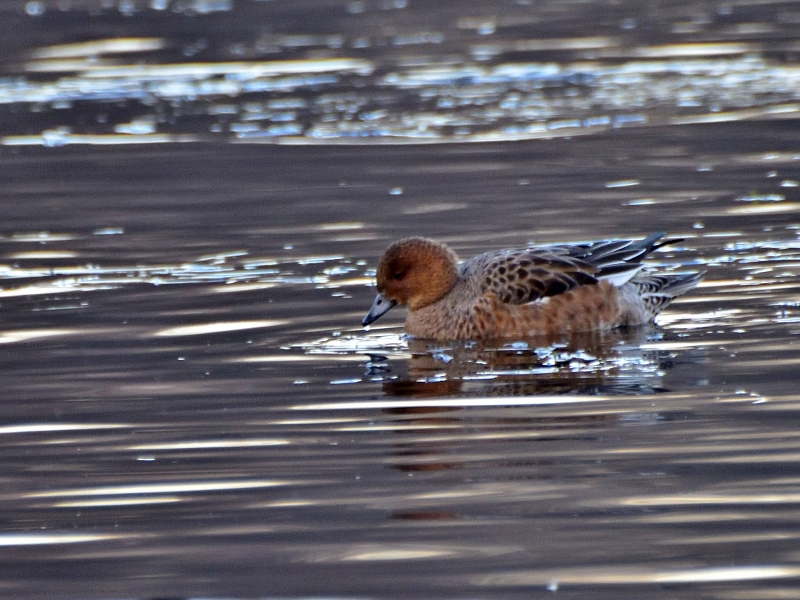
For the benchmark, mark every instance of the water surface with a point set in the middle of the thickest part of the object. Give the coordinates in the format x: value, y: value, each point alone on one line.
x: 191, y: 408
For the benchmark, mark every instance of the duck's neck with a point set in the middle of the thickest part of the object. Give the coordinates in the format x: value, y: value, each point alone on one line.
x: 440, y: 319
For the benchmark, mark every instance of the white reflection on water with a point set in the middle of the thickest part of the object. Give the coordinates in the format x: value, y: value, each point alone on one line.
x: 402, y: 552
x: 450, y: 403
x: 106, y: 503
x: 415, y: 552
x: 612, y: 574
x: 688, y: 321
x: 43, y: 254
x: 160, y: 488
x: 52, y: 427
x: 40, y: 237
x: 233, y: 271
x: 39, y: 539
x: 208, y: 444
x: 220, y: 327
x: 372, y: 342
x: 448, y: 495
x: 298, y: 358
x: 65, y: 137
x: 13, y: 337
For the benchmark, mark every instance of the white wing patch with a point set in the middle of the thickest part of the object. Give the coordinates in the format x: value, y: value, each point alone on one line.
x: 620, y: 279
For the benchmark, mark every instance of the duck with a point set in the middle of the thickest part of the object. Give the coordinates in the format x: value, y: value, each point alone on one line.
x: 549, y: 291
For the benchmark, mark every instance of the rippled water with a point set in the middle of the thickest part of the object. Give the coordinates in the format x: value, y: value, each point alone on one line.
x: 385, y: 71
x: 190, y: 406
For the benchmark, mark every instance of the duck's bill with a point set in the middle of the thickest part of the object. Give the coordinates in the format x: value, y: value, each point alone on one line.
x: 379, y: 307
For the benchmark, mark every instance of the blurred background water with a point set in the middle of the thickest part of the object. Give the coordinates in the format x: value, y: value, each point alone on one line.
x: 195, y: 194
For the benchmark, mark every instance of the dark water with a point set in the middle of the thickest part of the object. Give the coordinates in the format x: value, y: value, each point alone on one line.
x: 191, y: 409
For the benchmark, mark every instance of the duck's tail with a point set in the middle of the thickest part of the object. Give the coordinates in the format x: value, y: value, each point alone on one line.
x: 657, y: 291
x: 619, y: 261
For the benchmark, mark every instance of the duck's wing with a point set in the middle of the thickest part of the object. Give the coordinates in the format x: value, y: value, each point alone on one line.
x: 522, y: 276
x: 525, y: 275
x: 607, y: 252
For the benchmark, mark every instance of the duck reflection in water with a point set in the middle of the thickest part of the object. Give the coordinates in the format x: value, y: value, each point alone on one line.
x: 430, y: 438
x: 599, y: 363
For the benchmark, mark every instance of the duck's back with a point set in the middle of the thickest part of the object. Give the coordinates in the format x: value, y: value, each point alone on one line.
x: 524, y: 275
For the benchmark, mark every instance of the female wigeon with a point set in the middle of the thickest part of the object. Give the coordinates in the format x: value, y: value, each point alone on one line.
x: 529, y: 292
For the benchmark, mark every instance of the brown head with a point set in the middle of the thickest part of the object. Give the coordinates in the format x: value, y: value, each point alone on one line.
x: 415, y: 272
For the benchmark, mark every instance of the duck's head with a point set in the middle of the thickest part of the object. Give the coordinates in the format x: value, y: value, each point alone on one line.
x: 415, y: 272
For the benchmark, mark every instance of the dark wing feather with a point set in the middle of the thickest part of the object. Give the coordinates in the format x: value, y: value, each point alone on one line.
x: 522, y: 276
x: 609, y: 252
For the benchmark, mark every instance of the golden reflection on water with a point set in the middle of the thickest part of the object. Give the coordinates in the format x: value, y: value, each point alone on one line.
x: 780, y: 207
x: 715, y: 499
x: 106, y: 46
